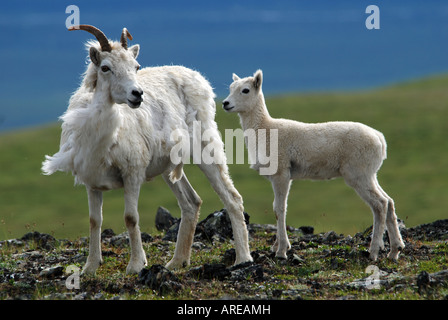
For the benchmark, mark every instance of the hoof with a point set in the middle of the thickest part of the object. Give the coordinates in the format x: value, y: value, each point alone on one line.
x: 177, y: 264
x: 90, y: 268
x: 135, y: 267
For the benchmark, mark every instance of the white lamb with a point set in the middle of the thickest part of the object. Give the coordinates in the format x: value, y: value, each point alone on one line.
x: 116, y: 133
x: 319, y: 151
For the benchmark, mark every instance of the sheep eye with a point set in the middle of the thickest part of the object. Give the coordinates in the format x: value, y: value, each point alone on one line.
x: 245, y: 90
x: 105, y: 68
x: 137, y: 68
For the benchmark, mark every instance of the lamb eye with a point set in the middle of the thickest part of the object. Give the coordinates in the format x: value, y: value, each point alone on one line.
x: 245, y: 90
x: 105, y: 68
x: 137, y: 68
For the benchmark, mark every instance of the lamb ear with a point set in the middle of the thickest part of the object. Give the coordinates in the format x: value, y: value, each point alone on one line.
x: 235, y: 77
x: 258, y: 79
x: 95, y: 56
x: 135, y: 49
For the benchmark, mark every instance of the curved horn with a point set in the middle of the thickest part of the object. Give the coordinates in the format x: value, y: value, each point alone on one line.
x: 100, y: 36
x: 125, y: 35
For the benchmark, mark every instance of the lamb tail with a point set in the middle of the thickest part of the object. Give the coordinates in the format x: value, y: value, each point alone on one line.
x: 383, y: 144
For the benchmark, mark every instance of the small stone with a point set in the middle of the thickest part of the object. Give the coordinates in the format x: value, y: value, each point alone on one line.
x: 330, y: 236
x: 146, y: 237
x: 307, y: 229
x: 423, y: 281
x: 120, y: 241
x: 295, y: 260
x: 98, y: 296
x: 198, y: 245
x: 107, y: 233
x: 229, y: 257
x: 51, y: 273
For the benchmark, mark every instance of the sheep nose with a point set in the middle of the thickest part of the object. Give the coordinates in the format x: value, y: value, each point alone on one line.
x: 137, y: 93
x: 225, y: 103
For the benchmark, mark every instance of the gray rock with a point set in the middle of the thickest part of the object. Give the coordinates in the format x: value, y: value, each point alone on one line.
x: 42, y: 240
x: 11, y: 243
x: 437, y: 230
x: 423, y: 281
x: 247, y: 270
x: 164, y: 219
x: 426, y: 282
x: 215, y: 227
x: 330, y: 237
x: 160, y: 279
x: 122, y: 240
x: 229, y: 257
x: 171, y: 233
x: 107, y: 234
x: 306, y: 229
x: 210, y: 271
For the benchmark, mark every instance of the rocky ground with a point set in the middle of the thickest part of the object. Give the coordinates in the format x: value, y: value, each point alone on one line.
x: 318, y: 266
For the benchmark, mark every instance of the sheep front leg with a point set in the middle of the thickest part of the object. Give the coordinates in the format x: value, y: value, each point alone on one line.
x: 138, y: 257
x: 96, y: 218
x: 281, y: 184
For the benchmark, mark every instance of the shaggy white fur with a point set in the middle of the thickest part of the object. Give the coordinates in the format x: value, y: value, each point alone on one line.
x: 116, y: 133
x: 350, y: 150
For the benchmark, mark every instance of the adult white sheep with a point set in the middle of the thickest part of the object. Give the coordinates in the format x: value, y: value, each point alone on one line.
x: 116, y: 133
x: 318, y: 151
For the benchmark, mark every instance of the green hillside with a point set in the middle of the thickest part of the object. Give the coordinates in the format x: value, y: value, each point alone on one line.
x: 413, y: 117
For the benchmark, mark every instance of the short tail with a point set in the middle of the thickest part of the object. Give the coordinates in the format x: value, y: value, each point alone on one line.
x: 57, y: 162
x: 383, y: 144
x: 47, y: 166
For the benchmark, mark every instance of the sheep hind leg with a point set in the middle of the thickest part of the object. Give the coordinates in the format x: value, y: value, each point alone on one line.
x: 396, y: 242
x: 96, y: 218
x: 233, y: 202
x: 368, y: 191
x: 281, y: 186
x: 189, y: 203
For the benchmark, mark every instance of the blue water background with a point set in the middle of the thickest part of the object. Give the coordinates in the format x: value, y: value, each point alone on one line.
x: 302, y: 46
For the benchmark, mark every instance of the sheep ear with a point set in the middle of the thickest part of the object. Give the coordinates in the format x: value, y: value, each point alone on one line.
x: 235, y: 77
x: 95, y: 56
x: 91, y: 76
x: 258, y: 79
x: 135, y: 49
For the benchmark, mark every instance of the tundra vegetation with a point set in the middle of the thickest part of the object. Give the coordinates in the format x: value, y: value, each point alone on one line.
x: 318, y: 266
x: 411, y: 115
